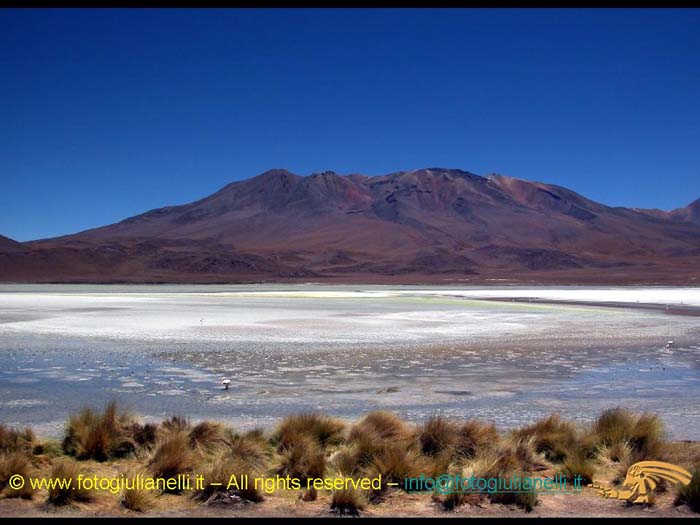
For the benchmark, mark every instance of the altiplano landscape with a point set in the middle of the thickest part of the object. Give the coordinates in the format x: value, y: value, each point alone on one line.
x: 274, y: 263
x: 436, y: 296
x: 432, y: 225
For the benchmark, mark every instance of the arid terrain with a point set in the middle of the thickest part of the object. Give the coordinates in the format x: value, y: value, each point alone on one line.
x: 424, y: 226
x: 111, y: 444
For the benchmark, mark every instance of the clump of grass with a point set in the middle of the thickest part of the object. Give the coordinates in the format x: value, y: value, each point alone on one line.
x: 497, y: 464
x: 251, y: 447
x: 578, y: 464
x: 176, y: 424
x: 48, y: 448
x: 382, y: 444
x: 553, y: 437
x: 257, y: 433
x: 505, y: 467
x: 461, y: 495
x: 16, y: 440
x: 648, y: 437
x: 172, y: 456
x: 690, y: 494
x: 614, y: 426
x: 438, y: 437
x: 136, y: 499
x: 219, y: 469
x: 619, y: 452
x: 326, y: 431
x: 644, y: 433
x: 207, y: 436
x: 395, y: 462
x: 98, y: 435
x: 345, y: 460
x: 477, y: 437
x: 67, y: 493
x: 384, y: 425
x: 523, y: 450
x: 144, y: 435
x: 302, y: 458
x: 11, y: 464
x: 348, y: 502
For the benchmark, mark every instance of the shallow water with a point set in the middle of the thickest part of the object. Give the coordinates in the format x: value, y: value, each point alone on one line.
x: 344, y: 350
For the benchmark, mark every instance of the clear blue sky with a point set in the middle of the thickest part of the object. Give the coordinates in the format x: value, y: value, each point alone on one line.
x: 106, y: 114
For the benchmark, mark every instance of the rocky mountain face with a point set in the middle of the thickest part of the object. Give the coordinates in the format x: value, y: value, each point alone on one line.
x: 7, y: 244
x: 428, y: 225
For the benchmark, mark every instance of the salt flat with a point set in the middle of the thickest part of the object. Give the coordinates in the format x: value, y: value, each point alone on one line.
x: 345, y: 350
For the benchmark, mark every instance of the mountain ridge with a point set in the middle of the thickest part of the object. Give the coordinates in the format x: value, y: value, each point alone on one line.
x: 426, y: 225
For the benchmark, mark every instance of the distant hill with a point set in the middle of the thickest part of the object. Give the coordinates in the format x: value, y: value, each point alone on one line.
x: 7, y: 244
x: 427, y: 225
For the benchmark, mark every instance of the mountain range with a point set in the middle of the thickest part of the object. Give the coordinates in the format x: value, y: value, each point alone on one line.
x: 422, y: 226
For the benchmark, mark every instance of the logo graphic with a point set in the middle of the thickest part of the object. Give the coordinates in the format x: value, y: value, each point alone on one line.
x: 641, y: 480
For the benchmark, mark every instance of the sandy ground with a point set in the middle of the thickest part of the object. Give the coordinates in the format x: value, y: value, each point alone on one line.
x: 396, y: 503
x: 587, y: 504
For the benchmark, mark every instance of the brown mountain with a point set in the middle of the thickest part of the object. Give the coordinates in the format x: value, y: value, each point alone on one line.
x: 690, y: 213
x: 7, y: 244
x: 429, y: 225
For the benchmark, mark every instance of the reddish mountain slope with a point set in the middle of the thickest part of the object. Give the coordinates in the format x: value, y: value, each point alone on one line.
x: 7, y: 244
x: 418, y: 226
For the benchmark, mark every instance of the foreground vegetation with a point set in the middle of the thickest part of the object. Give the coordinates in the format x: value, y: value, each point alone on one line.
x: 306, y: 446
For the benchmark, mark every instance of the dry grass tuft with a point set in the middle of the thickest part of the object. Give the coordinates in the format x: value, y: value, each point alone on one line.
x: 304, y: 446
x: 690, y: 494
x: 252, y: 447
x: 384, y: 425
x: 522, y: 450
x: 461, y: 495
x: 382, y: 444
x: 326, y: 431
x: 302, y: 458
x: 619, y: 452
x: 648, y: 437
x: 553, y: 437
x: 176, y: 424
x: 138, y: 500
x: 219, y: 469
x: 207, y: 436
x: 395, y: 462
x: 15, y: 440
x: 172, y: 456
x: 15, y: 463
x: 49, y: 448
x: 503, y: 464
x: 99, y: 435
x: 644, y: 433
x: 578, y: 464
x: 345, y: 460
x: 505, y: 467
x: 348, y: 502
x: 144, y: 435
x: 477, y: 437
x: 438, y: 437
x: 67, y: 494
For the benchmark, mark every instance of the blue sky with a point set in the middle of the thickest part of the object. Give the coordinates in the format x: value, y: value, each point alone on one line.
x: 106, y: 114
